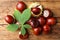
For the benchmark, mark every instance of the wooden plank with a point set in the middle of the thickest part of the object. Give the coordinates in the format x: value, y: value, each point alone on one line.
x: 8, y: 7
x: 7, y: 35
x: 34, y: 0
x: 42, y: 0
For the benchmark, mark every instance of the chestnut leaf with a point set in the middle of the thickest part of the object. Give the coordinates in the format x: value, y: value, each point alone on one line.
x: 24, y: 27
x: 12, y: 27
x: 23, y: 31
x: 17, y: 15
x: 22, y: 17
x: 27, y: 26
x: 25, y: 16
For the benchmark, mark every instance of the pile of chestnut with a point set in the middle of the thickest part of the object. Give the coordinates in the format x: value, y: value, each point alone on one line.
x: 41, y: 19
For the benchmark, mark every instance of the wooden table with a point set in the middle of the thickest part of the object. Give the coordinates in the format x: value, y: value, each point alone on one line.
x: 8, y: 6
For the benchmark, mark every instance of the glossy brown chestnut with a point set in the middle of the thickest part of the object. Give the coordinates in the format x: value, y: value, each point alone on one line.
x: 36, y: 10
x: 47, y: 13
x: 41, y: 20
x: 33, y: 22
x: 23, y: 36
x: 9, y: 19
x: 51, y: 21
x: 46, y: 29
x: 37, y: 30
x: 21, y: 6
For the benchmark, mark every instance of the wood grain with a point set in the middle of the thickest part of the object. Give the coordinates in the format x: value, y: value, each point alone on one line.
x: 8, y: 6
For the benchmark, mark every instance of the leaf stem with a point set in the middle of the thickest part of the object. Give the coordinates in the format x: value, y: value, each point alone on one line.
x: 20, y: 25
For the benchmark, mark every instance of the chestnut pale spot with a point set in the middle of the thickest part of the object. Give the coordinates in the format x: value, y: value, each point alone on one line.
x: 46, y: 13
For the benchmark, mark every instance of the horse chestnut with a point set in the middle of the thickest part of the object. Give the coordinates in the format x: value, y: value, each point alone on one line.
x: 36, y: 10
x: 21, y: 6
x: 9, y: 19
x: 41, y: 20
x: 37, y: 30
x: 33, y: 22
x: 46, y: 29
x: 51, y: 21
x: 23, y: 36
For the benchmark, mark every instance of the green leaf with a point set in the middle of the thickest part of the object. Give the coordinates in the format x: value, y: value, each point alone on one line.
x: 22, y: 18
x: 25, y: 16
x: 27, y: 26
x: 23, y: 31
x: 17, y: 15
x: 12, y: 27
